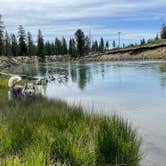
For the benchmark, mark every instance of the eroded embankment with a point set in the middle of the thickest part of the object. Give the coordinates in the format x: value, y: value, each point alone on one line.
x: 137, y: 53
x: 155, y: 51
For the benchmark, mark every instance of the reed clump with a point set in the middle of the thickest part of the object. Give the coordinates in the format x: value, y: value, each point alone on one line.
x: 46, y: 132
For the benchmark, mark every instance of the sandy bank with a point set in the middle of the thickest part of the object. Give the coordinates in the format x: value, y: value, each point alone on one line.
x: 137, y: 53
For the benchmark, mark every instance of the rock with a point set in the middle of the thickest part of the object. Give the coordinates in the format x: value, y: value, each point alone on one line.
x: 7, y: 61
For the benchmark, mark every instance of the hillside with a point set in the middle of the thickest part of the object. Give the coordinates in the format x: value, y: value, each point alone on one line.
x: 153, y: 50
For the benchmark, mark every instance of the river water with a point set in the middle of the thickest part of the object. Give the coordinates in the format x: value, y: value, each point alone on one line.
x: 135, y: 90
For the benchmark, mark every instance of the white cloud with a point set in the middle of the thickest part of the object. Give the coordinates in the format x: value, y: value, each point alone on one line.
x: 30, y: 10
x: 58, y: 17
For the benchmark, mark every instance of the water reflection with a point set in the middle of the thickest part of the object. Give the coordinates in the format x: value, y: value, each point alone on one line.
x: 84, y: 74
x: 73, y: 73
x: 162, y: 69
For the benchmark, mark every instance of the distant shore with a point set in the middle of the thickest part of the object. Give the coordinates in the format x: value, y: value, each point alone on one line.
x: 151, y: 52
x: 156, y: 51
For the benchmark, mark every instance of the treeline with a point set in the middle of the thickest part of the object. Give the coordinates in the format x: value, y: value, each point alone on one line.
x: 160, y: 36
x: 23, y: 44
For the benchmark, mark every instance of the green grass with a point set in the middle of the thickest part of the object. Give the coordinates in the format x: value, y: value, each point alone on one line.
x: 160, y: 41
x: 151, y: 43
x: 47, y: 132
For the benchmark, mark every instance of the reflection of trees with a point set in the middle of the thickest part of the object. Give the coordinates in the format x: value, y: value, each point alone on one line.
x: 84, y: 76
x: 81, y: 74
x: 25, y: 69
x: 73, y: 72
x: 162, y: 69
x: 42, y: 69
x: 102, y: 70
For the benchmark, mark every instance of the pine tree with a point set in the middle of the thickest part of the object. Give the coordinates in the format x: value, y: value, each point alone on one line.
x: 93, y: 47
x: 163, y: 32
x: 7, y: 44
x: 96, y: 46
x: 113, y: 44
x: 22, y: 41
x: 157, y: 37
x: 142, y: 42
x: 53, y: 51
x: 101, y: 46
x: 64, y: 46
x: 87, y: 45
x: 58, y: 46
x: 80, y: 38
x: 107, y: 45
x: 48, y: 48
x: 30, y: 45
x: 40, y: 45
x: 72, y: 47
x: 14, y: 45
x: 1, y: 37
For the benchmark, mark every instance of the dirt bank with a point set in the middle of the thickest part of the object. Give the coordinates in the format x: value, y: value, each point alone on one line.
x: 137, y: 53
x: 155, y: 51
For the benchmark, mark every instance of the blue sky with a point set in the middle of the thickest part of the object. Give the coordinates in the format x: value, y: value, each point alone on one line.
x: 134, y: 19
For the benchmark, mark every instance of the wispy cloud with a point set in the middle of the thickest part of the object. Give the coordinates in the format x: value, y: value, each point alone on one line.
x: 61, y: 17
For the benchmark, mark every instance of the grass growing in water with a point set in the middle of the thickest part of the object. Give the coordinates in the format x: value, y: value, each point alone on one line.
x: 47, y: 132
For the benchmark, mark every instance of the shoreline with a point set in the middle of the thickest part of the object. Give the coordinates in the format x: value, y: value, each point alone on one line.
x: 52, y: 132
x: 153, y: 52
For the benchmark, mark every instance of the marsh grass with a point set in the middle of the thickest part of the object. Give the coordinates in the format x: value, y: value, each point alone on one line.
x: 47, y: 132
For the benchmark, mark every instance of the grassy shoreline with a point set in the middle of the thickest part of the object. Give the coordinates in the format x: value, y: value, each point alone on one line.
x: 47, y: 132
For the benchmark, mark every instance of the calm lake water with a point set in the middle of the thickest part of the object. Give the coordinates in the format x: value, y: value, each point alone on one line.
x: 135, y: 90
